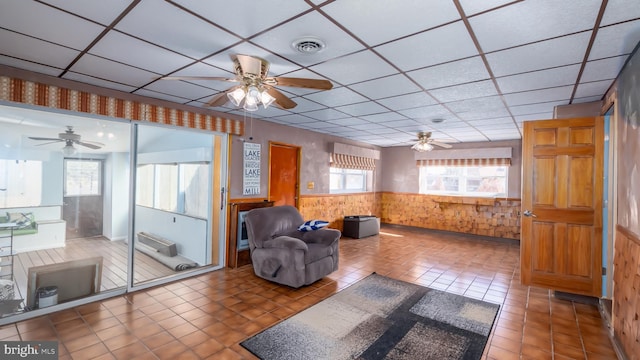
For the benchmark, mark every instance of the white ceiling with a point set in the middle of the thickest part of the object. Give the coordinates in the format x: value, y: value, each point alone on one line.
x: 482, y: 66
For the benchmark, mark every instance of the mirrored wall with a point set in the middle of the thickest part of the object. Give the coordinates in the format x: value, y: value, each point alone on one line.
x: 92, y: 207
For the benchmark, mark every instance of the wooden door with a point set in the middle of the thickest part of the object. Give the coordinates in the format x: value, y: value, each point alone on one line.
x: 561, y: 246
x: 283, y: 174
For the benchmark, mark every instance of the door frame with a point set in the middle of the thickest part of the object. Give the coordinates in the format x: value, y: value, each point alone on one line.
x: 298, y: 156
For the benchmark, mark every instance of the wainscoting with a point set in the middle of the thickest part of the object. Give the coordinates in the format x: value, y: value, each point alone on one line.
x: 469, y: 215
x: 626, y: 291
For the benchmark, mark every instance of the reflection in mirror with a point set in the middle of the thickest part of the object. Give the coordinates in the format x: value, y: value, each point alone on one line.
x: 173, y: 202
x: 64, y: 207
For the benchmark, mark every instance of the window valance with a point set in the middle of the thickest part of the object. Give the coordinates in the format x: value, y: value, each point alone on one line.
x: 352, y: 162
x: 498, y: 156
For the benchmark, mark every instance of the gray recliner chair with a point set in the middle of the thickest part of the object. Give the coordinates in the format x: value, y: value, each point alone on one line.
x: 283, y: 254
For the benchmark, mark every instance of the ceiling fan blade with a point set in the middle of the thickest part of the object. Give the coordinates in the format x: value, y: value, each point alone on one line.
x: 220, y: 99
x: 50, y: 142
x: 251, y: 65
x: 91, y: 145
x: 282, y: 100
x: 198, y: 78
x: 300, y: 82
x: 441, y: 144
x: 44, y: 138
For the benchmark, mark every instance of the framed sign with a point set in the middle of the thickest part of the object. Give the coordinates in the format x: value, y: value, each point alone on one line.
x: 251, y: 176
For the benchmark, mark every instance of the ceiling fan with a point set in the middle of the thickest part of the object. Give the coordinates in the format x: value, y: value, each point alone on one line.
x: 69, y: 137
x: 255, y: 86
x: 425, y: 142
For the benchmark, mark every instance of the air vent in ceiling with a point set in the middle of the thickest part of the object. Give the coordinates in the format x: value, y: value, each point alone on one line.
x: 308, y: 45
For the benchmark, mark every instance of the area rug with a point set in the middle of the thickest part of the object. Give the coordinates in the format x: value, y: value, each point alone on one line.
x: 381, y: 318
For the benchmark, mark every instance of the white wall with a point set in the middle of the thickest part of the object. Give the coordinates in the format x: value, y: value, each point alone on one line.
x: 189, y: 233
x: 116, y: 196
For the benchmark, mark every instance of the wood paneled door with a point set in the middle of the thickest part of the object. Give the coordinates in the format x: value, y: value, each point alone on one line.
x: 284, y: 174
x: 561, y: 245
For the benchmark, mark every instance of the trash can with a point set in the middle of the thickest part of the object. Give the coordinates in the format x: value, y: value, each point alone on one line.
x: 359, y: 226
x: 47, y: 296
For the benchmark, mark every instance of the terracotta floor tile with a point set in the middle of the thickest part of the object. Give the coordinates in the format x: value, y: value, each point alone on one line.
x: 209, y: 315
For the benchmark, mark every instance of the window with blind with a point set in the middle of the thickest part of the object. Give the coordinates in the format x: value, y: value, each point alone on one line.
x: 482, y: 181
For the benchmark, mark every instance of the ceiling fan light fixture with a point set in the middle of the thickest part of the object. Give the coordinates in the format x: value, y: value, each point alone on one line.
x: 236, y: 96
x: 266, y: 99
x: 69, y: 150
x: 422, y: 146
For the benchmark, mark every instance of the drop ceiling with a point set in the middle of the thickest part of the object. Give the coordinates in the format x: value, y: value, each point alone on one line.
x: 482, y: 66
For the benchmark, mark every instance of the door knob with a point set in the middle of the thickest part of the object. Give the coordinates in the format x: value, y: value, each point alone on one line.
x: 529, y: 213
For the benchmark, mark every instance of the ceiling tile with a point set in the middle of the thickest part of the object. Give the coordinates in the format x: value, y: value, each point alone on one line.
x: 146, y: 56
x: 27, y: 65
x: 98, y: 82
x: 34, y: 50
x: 280, y: 39
x: 294, y: 119
x: 98, y: 67
x: 97, y: 10
x: 185, y: 33
x: 348, y: 121
x: 246, y: 17
x: 472, y: 7
x: 590, y: 89
x: 386, y: 87
x: 326, y: 114
x: 512, y: 25
x: 565, y: 75
x: 477, y: 104
x: 384, y: 117
x: 50, y: 24
x: 444, y: 44
x: 620, y: 10
x: 562, y: 51
x: 336, y: 97
x: 369, y: 126
x: 305, y: 105
x: 456, y: 72
x: 465, y: 91
x: 407, y: 101
x: 375, y: 22
x: 361, y: 109
x: 483, y: 114
x: 603, y: 69
x: 615, y: 40
x: 158, y: 95
x: 535, y: 117
x: 181, y: 89
x: 427, y: 112
x: 536, y: 108
x: 587, y: 99
x: 353, y: 68
x: 538, y: 96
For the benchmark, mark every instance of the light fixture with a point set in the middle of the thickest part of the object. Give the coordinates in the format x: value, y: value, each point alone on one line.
x: 249, y: 97
x: 68, y: 149
x: 422, y: 146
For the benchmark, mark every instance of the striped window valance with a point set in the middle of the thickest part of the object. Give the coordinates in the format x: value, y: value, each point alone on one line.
x: 352, y: 162
x: 465, y: 162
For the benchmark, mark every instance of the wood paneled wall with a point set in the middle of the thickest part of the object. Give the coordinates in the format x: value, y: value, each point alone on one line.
x: 477, y: 216
x: 626, y: 291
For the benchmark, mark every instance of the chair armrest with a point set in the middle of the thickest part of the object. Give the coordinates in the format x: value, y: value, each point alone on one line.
x: 322, y: 236
x: 286, y: 242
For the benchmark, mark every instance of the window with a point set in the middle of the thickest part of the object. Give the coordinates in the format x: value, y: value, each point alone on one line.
x: 20, y: 183
x: 174, y: 187
x: 486, y: 181
x: 82, y: 177
x: 348, y: 180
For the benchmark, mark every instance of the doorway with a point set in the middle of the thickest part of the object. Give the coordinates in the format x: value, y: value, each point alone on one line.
x: 83, y: 197
x: 284, y: 174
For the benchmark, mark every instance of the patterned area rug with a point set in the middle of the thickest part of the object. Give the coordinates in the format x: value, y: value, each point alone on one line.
x: 381, y: 318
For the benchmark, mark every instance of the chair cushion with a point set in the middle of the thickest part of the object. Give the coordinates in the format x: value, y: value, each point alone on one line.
x: 313, y: 225
x: 317, y: 252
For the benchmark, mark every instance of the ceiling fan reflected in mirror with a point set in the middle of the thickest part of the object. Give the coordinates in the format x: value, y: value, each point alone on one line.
x: 255, y: 86
x: 69, y: 137
x: 426, y: 143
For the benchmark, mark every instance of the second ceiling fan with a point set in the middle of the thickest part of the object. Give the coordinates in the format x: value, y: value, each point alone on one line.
x: 256, y: 87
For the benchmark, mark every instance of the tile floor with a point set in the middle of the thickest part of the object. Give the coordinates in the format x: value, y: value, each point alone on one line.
x: 207, y: 316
